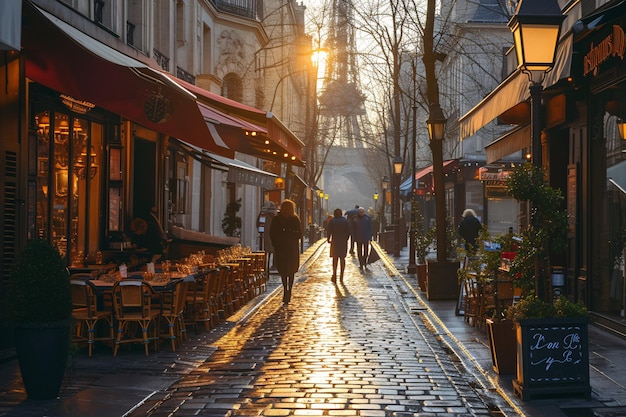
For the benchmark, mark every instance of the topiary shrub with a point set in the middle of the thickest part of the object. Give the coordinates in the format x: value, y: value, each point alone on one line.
x: 39, y: 286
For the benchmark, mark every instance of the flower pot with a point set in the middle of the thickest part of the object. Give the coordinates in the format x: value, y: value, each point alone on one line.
x: 502, y: 345
x: 422, y: 276
x: 442, y: 282
x: 42, y: 355
x: 552, y: 357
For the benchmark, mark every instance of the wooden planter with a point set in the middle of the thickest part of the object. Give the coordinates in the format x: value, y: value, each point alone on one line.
x: 442, y: 282
x: 422, y: 276
x: 502, y: 345
x: 552, y: 357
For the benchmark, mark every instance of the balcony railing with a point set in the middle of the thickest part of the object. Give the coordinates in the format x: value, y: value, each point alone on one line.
x: 186, y: 76
x: 244, y: 8
x: 161, y: 59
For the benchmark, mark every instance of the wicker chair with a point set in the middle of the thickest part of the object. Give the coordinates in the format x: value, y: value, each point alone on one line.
x: 87, y: 315
x: 137, y: 320
x: 172, y: 314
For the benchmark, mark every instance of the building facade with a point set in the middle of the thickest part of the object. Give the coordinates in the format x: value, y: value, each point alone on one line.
x: 112, y: 108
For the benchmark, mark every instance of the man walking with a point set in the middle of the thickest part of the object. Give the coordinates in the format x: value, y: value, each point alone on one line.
x: 363, y: 236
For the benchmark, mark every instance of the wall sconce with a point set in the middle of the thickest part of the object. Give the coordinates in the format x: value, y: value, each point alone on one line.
x: 43, y: 124
x: 80, y: 167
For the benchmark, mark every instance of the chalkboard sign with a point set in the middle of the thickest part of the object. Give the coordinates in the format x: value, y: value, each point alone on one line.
x: 553, y: 357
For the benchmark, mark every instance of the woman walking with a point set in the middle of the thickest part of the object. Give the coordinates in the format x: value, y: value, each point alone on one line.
x: 285, y: 233
x: 338, y: 234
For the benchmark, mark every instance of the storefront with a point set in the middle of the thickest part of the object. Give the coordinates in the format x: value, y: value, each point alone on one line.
x: 596, y: 172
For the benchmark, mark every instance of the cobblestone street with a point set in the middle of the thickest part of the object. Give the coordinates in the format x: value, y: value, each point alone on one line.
x: 351, y: 349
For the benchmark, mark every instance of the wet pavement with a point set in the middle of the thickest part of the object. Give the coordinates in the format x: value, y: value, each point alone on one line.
x: 371, y: 346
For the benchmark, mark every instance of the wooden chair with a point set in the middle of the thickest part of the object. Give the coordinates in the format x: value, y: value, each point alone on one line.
x: 472, y: 300
x: 260, y: 280
x: 172, y: 314
x: 220, y: 305
x: 87, y: 316
x: 199, y: 300
x: 132, y: 300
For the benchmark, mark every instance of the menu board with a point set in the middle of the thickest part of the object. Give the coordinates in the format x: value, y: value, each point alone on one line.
x: 555, y: 353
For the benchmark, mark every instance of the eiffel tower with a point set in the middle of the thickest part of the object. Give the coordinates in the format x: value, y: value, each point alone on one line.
x: 343, y: 123
x: 342, y: 110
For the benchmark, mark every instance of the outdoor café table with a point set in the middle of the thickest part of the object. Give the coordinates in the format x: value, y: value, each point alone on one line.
x: 161, y: 284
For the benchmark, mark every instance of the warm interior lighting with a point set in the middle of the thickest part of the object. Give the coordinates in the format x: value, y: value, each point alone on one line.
x: 64, y: 126
x: 77, y: 126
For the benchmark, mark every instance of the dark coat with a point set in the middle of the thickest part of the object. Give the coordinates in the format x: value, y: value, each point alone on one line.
x: 363, y: 229
x: 469, y: 228
x: 338, y: 235
x: 285, y: 233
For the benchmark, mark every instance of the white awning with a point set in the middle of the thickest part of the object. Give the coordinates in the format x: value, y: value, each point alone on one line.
x: 514, y: 90
x: 513, y: 141
x: 243, y: 173
x: 238, y: 171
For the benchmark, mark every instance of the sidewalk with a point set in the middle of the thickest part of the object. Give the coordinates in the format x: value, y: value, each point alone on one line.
x: 607, y: 367
x: 133, y: 385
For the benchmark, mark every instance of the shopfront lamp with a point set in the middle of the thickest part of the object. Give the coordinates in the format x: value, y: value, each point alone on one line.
x: 536, y: 26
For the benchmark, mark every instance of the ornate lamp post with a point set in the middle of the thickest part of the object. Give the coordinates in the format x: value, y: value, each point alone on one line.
x: 436, y: 130
x: 384, y: 185
x: 536, y: 26
x: 375, y: 197
x: 397, y: 171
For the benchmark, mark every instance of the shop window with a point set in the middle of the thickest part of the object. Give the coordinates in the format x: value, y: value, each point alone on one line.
x: 66, y: 196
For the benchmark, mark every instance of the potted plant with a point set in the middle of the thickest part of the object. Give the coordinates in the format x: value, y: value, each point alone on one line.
x: 552, y: 342
x: 39, y: 306
x: 423, y: 241
x: 231, y: 223
x: 442, y: 281
x: 484, y: 267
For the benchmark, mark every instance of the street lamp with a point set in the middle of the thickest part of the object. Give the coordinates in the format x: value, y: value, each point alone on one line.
x: 384, y: 185
x: 412, y: 266
x: 375, y: 196
x: 326, y: 198
x: 397, y: 170
x: 436, y: 130
x: 536, y: 26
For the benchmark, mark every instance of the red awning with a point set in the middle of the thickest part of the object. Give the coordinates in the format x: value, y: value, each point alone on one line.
x: 267, y: 137
x: 67, y: 60
x: 405, y: 187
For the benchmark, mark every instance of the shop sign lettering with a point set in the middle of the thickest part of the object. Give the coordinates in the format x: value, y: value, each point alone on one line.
x: 613, y: 45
